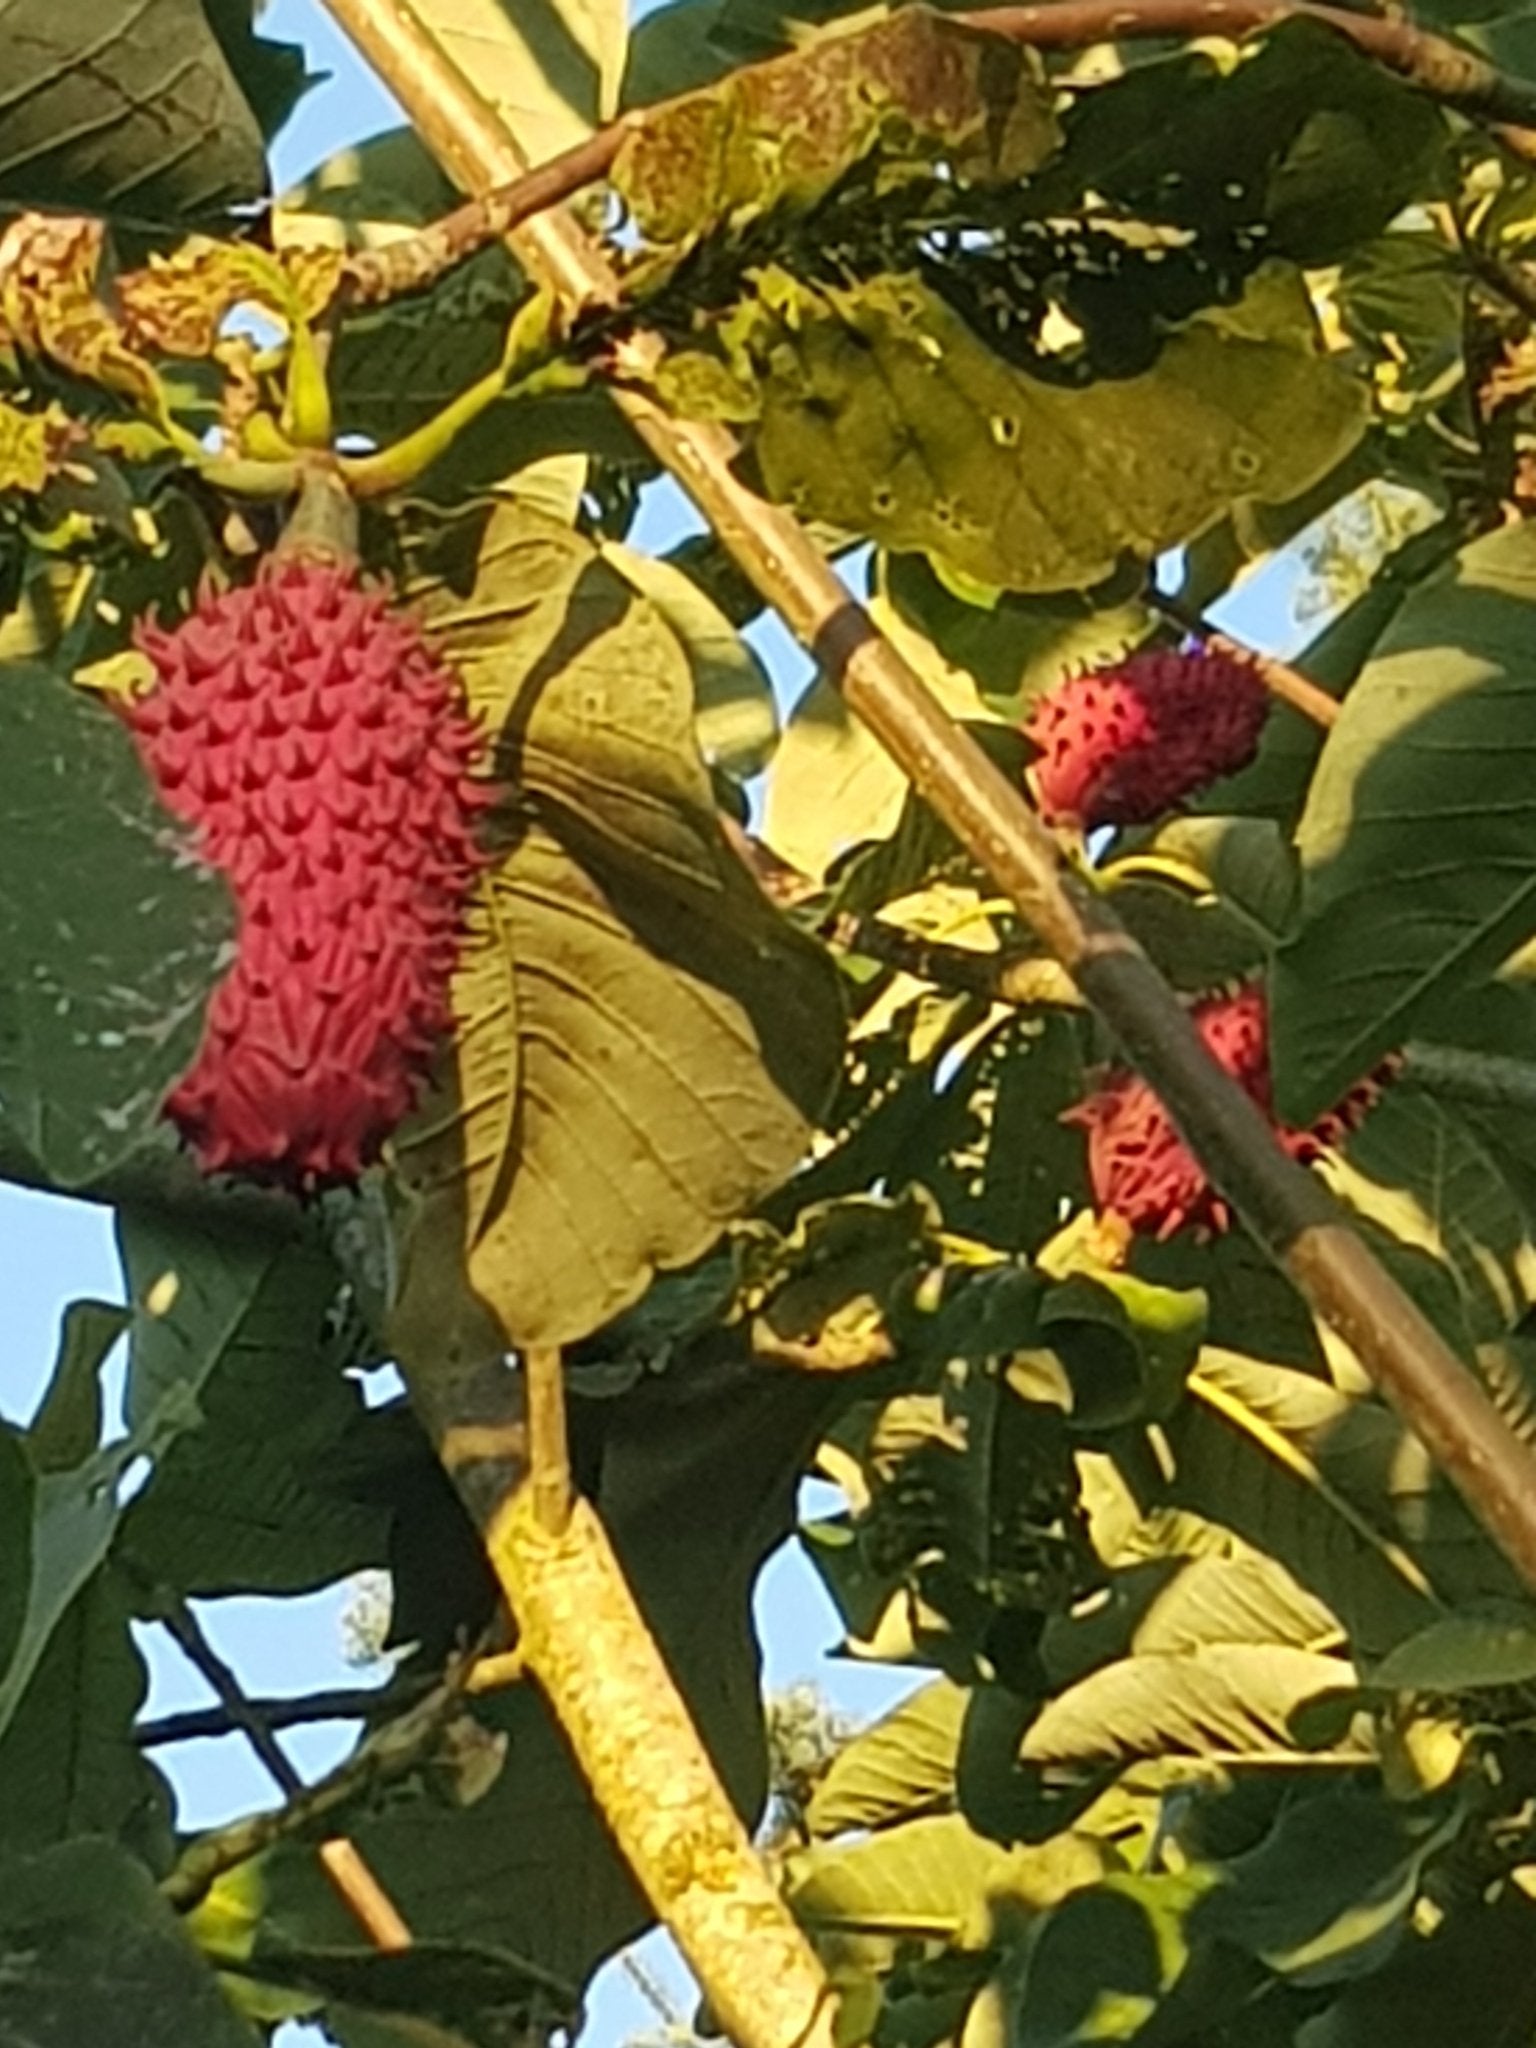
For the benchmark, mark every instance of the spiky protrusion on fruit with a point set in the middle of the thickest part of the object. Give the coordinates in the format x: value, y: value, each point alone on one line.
x: 1122, y: 745
x: 323, y: 754
x: 1140, y: 1167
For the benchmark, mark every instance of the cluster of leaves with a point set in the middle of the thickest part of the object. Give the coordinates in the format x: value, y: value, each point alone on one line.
x: 1226, y: 1736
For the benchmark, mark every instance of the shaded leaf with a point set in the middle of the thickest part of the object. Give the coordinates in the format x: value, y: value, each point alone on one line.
x: 67, y: 1426
x: 1302, y: 132
x: 116, y: 934
x: 629, y: 1074
x: 254, y: 1498
x: 125, y: 107
x: 1303, y: 1471
x: 1469, y: 1981
x: 273, y: 76
x: 462, y: 1992
x: 1417, y: 872
x: 1107, y: 1960
x: 734, y: 713
x: 1013, y: 648
x: 68, y: 1762
x: 17, y: 1488
x: 1327, y: 1896
x: 1494, y: 1646
x: 89, y: 1951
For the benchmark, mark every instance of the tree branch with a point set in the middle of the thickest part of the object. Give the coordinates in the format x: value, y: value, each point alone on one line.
x: 1440, y: 68
x: 390, y: 1753
x: 1287, y: 1209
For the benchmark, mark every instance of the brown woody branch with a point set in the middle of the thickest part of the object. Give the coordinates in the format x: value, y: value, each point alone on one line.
x: 1455, y: 76
x: 1287, y: 1209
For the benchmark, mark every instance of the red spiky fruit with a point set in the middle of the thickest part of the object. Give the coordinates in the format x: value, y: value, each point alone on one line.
x: 1122, y: 745
x: 1140, y: 1167
x: 322, y: 753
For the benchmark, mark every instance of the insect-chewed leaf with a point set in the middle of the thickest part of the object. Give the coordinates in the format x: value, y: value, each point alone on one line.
x: 642, y: 1038
x: 788, y: 130
x: 881, y: 412
x: 1418, y: 862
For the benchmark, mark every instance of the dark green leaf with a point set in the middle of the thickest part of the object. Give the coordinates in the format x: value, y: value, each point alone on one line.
x: 68, y: 1762
x: 1416, y: 842
x: 1327, y: 1896
x: 17, y: 1486
x: 273, y: 76
x: 116, y: 935
x: 1491, y: 1646
x: 89, y: 1951
x: 254, y: 1497
x: 67, y: 1427
x: 441, y: 1992
x: 1303, y: 133
x: 124, y: 107
x: 1469, y: 1982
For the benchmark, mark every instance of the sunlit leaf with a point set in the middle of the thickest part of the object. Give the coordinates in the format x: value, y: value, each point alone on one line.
x: 881, y: 412
x: 625, y: 1083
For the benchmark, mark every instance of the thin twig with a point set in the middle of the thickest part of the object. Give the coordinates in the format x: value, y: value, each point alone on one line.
x: 416, y: 261
x: 549, y: 1458
x: 372, y: 1907
x: 347, y: 1703
x: 186, y: 1632
x: 1278, y: 677
x: 390, y: 1753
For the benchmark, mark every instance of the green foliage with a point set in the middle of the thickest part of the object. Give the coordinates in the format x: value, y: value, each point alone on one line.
x: 107, y: 1013
x: 618, y: 995
x: 878, y: 409
x: 1413, y: 846
x: 1220, y: 1727
x: 92, y: 1953
x: 153, y: 111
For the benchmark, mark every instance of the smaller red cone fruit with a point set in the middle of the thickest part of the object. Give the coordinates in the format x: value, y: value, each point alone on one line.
x: 1140, y: 1167
x: 323, y: 754
x: 1120, y: 746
